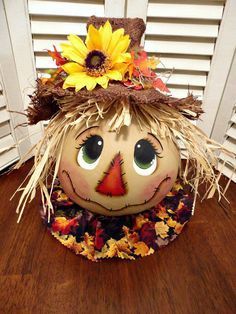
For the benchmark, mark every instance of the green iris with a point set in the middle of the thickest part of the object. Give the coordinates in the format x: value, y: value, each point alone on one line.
x: 144, y: 154
x: 92, y: 149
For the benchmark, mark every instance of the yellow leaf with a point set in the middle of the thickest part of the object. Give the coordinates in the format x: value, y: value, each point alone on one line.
x: 161, y: 229
x: 141, y: 249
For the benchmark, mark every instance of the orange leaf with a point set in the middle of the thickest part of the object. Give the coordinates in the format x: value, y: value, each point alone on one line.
x: 158, y: 84
x: 141, y: 248
x: 57, y: 56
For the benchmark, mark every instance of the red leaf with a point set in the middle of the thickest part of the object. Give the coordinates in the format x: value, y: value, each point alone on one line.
x: 57, y: 56
x: 99, y: 240
x: 158, y: 84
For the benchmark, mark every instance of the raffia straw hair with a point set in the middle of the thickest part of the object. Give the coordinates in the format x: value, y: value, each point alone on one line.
x: 162, y: 120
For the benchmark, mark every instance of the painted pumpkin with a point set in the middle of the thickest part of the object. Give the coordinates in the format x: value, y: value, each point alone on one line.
x: 117, y: 174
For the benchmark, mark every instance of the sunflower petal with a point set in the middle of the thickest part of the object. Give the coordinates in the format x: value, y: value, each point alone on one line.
x: 73, y: 79
x: 93, y: 40
x: 106, y: 34
x: 72, y: 67
x: 70, y: 53
x: 123, y: 57
x: 79, y: 85
x: 103, y: 81
x: 121, y: 47
x: 121, y: 67
x: 78, y: 44
x: 115, y: 39
x: 114, y: 75
x: 90, y: 82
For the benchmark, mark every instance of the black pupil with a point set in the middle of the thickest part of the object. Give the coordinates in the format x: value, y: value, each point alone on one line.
x: 93, y: 146
x: 144, y: 152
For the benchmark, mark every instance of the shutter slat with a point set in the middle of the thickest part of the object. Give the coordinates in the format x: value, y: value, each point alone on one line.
x: 191, y: 64
x: 232, y: 132
x: 228, y: 171
x: 4, y: 115
x: 5, y: 129
x: 54, y: 8
x: 58, y: 28
x: 233, y: 119
x: 183, y: 10
x: 2, y: 101
x: 183, y: 92
x: 182, y: 29
x: 179, y: 47
x: 228, y: 159
x: 187, y: 79
x: 230, y: 144
x: 9, y: 156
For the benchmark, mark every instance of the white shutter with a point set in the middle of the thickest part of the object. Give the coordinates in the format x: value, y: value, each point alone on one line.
x: 229, y: 168
x: 8, y: 153
x: 183, y: 34
x: 52, y: 21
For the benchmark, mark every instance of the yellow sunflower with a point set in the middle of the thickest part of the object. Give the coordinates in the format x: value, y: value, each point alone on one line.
x: 101, y: 58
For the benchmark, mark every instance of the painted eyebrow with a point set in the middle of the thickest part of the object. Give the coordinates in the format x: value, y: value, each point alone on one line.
x: 92, y: 127
x: 156, y: 139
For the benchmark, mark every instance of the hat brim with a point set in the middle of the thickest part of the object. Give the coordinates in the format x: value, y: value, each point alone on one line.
x: 45, y: 100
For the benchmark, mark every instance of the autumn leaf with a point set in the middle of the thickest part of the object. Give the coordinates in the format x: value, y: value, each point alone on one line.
x: 64, y: 225
x: 161, y: 229
x: 178, y: 228
x: 57, y: 56
x: 171, y: 223
x: 162, y: 214
x: 141, y: 248
x: 139, y: 221
x: 88, y: 247
x: 158, y: 84
x: 153, y: 62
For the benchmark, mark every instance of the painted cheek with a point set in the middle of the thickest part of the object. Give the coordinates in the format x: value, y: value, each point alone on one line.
x: 150, y: 188
x: 80, y: 184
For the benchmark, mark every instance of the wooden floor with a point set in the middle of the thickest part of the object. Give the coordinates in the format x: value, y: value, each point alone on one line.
x: 194, y: 274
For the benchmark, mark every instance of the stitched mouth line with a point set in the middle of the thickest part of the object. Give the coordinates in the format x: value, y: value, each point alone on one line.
x: 156, y: 190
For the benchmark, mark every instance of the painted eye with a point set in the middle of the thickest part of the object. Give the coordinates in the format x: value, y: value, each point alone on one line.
x: 90, y: 152
x: 145, y: 159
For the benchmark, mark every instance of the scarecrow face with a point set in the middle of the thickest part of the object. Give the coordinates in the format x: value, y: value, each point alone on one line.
x: 117, y: 174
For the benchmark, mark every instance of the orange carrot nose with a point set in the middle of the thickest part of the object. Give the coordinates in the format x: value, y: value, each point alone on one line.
x: 112, y: 183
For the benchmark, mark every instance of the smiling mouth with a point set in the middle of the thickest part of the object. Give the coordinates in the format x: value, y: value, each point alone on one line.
x: 156, y: 191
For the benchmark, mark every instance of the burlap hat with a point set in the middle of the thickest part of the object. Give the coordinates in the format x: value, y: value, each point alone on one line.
x: 48, y: 96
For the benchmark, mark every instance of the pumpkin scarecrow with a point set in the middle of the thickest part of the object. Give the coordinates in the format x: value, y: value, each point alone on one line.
x: 108, y: 166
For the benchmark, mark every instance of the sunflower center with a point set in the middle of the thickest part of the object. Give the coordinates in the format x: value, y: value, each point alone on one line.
x: 97, y: 63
